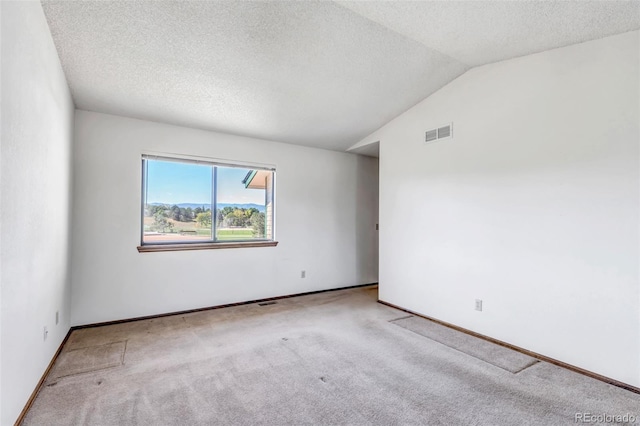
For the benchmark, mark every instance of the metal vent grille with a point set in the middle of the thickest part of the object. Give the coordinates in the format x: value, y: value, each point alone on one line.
x: 444, y: 132
x: 439, y: 133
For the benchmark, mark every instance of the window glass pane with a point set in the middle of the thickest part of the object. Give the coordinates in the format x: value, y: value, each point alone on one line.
x: 177, y: 202
x: 242, y: 199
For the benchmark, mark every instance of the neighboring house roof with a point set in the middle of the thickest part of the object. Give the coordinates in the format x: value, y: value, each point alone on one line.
x: 256, y: 179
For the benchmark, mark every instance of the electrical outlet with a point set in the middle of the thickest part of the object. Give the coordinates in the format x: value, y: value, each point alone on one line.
x: 46, y: 333
x: 57, y: 317
x: 303, y: 274
x: 478, y: 305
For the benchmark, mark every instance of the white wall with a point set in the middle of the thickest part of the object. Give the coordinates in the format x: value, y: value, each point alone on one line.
x: 323, y: 219
x: 533, y: 206
x: 37, y: 126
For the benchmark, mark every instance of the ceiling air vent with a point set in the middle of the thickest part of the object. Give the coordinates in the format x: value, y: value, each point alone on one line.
x: 439, y: 133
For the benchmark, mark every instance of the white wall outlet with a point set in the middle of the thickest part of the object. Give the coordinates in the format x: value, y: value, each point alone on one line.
x: 478, y: 305
x: 57, y: 317
x: 46, y: 333
x: 303, y: 274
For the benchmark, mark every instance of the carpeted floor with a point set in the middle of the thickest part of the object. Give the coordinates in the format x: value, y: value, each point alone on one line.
x: 330, y: 358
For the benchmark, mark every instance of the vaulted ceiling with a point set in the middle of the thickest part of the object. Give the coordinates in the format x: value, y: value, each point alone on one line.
x: 316, y: 73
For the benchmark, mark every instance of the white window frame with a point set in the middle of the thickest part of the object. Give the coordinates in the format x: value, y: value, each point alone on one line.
x: 268, y: 241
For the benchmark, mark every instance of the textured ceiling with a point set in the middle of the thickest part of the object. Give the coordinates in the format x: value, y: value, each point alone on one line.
x: 312, y: 73
x: 481, y: 32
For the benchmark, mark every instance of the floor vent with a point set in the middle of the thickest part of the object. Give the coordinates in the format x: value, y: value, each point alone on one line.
x: 439, y: 133
x: 266, y: 303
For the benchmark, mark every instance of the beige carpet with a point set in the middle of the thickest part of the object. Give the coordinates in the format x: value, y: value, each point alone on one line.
x: 330, y: 358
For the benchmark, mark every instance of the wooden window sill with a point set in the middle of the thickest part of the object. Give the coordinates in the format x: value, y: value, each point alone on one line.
x: 205, y: 246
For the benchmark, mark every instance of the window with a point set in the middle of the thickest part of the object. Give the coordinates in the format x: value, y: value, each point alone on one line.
x: 192, y: 204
